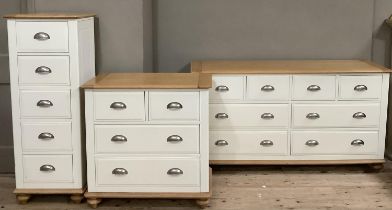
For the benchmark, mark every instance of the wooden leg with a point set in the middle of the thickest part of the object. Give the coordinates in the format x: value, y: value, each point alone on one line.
x: 203, y: 203
x: 375, y: 168
x: 76, y: 198
x: 93, y: 202
x: 23, y: 198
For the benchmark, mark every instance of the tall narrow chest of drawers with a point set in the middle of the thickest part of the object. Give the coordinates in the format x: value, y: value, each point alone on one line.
x: 297, y: 112
x: 50, y: 55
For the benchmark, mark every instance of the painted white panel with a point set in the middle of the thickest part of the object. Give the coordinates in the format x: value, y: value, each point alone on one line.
x: 234, y: 91
x: 302, y: 87
x: 62, y: 168
x: 360, y: 87
x: 275, y: 87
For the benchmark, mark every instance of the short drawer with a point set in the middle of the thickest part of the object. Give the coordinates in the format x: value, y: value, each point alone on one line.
x: 51, y: 104
x: 336, y: 115
x: 265, y: 88
x: 174, y: 105
x: 119, y: 105
x: 48, y: 136
x: 43, y: 70
x: 173, y: 171
x: 360, y: 87
x: 314, y: 87
x: 136, y: 139
x: 227, y: 88
x: 334, y: 142
x: 41, y: 36
x: 249, y: 115
x: 249, y: 142
x: 47, y: 168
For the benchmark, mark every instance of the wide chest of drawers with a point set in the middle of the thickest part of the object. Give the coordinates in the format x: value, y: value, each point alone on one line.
x: 50, y: 57
x: 296, y: 112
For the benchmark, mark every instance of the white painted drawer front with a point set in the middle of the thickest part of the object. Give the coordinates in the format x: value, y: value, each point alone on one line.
x: 243, y: 115
x: 335, y: 115
x: 53, y: 136
x: 147, y: 171
x: 334, y: 142
x: 147, y: 139
x: 313, y: 87
x: 227, y: 88
x: 119, y: 105
x: 174, y: 105
x: 41, y: 36
x: 268, y: 87
x: 43, y: 70
x: 45, y: 104
x: 248, y: 142
x: 47, y: 168
x: 360, y: 87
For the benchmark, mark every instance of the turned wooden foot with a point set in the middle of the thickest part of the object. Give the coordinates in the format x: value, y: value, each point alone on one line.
x: 23, y: 198
x: 375, y: 168
x: 76, y: 198
x: 93, y: 202
x: 203, y: 203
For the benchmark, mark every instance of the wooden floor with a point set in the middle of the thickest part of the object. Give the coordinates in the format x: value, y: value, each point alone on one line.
x: 258, y: 187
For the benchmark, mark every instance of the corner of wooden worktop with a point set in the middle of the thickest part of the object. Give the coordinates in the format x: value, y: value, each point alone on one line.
x: 205, y: 80
x: 196, y: 66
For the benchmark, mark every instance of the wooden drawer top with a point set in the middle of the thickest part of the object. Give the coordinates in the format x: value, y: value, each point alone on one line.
x: 287, y: 67
x: 49, y: 15
x: 150, y: 81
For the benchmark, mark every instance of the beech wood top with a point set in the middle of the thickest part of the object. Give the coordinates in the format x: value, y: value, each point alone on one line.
x: 49, y: 15
x: 287, y: 67
x: 150, y: 81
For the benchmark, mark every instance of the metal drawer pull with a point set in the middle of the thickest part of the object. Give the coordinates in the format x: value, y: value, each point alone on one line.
x: 47, y: 168
x: 221, y: 88
x: 314, y: 88
x: 119, y: 171
x: 221, y: 143
x: 175, y: 171
x: 118, y: 105
x: 41, y: 36
x: 43, y: 70
x: 360, y: 88
x: 221, y: 116
x: 357, y: 142
x: 44, y: 103
x: 174, y: 106
x: 359, y: 115
x: 174, y: 138
x: 45, y: 136
x: 313, y: 116
x: 267, y: 88
x: 267, y: 116
x: 266, y: 143
x: 119, y: 138
x: 312, y: 143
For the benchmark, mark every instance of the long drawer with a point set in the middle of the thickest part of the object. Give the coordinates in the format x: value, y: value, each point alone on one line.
x: 334, y: 142
x: 249, y: 115
x: 336, y: 115
x: 47, y: 168
x: 249, y: 142
x: 175, y: 139
x: 173, y: 171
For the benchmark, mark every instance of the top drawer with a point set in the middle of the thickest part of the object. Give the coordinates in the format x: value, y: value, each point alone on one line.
x: 227, y: 88
x: 360, y: 87
x: 313, y: 87
x: 42, y: 36
x: 273, y: 87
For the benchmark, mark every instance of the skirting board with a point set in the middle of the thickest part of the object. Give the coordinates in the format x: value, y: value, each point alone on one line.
x: 295, y: 162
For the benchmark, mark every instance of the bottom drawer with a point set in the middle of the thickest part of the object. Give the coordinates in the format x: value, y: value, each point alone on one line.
x: 175, y: 171
x: 47, y: 168
x: 248, y: 142
x: 334, y: 142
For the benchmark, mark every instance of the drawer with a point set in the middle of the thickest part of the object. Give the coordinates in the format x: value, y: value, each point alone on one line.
x: 47, y: 168
x: 334, y: 142
x: 227, y: 88
x: 265, y: 88
x: 43, y: 70
x: 173, y: 171
x: 336, y: 115
x: 174, y: 105
x: 314, y: 87
x: 48, y: 136
x: 41, y: 36
x: 249, y: 115
x: 119, y: 105
x: 147, y: 139
x: 248, y: 142
x: 360, y: 87
x: 45, y: 104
